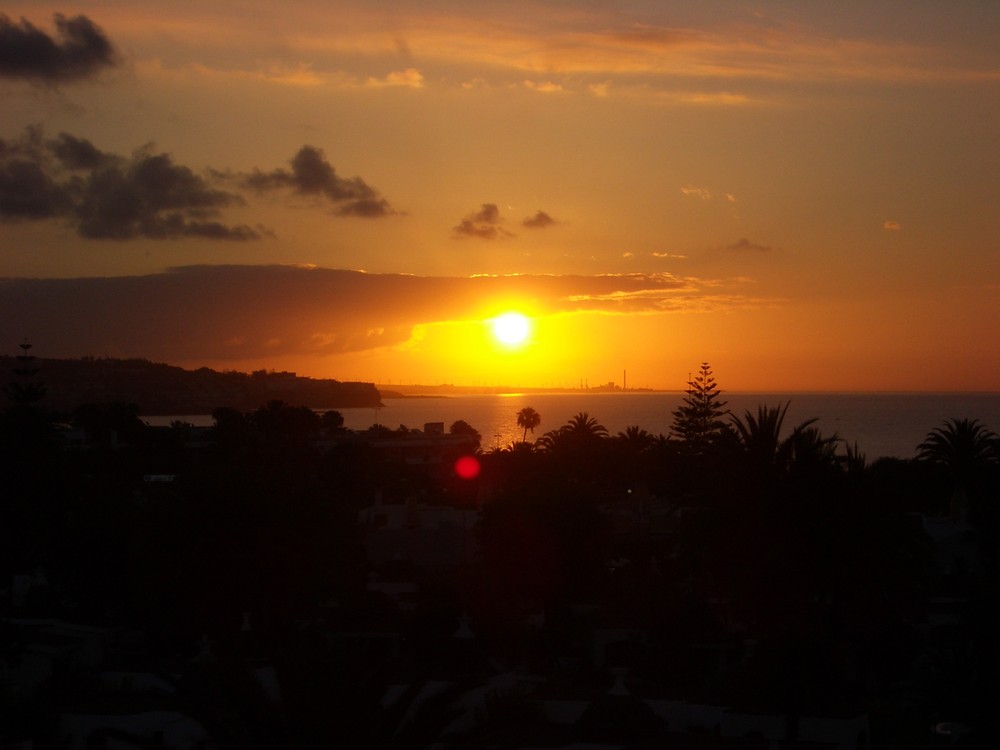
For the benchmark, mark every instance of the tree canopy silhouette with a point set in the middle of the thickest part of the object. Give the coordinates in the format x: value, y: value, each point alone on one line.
x: 698, y: 421
x: 962, y: 446
x: 529, y: 419
x: 963, y: 449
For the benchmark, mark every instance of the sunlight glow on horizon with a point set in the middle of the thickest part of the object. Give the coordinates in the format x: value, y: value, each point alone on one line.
x: 798, y: 194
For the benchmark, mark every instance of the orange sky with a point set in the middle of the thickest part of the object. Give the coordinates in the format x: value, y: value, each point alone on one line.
x: 802, y: 194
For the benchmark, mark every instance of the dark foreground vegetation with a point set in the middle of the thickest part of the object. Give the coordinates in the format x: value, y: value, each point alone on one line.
x: 278, y: 581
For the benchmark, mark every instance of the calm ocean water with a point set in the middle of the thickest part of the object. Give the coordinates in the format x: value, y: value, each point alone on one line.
x: 881, y: 424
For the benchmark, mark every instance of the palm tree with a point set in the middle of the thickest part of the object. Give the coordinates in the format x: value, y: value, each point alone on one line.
x: 631, y: 448
x: 855, y: 462
x: 812, y: 456
x: 584, y: 426
x: 760, y: 436
x: 636, y: 439
x: 575, y: 446
x: 529, y: 419
x: 964, y: 448
x: 770, y: 457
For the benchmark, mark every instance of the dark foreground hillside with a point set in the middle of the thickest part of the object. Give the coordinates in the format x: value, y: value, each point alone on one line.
x: 164, y: 389
x: 279, y: 582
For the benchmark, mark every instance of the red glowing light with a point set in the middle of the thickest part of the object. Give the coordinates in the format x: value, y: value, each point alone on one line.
x: 467, y: 467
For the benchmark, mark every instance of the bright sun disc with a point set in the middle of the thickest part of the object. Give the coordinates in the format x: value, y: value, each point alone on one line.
x: 511, y: 328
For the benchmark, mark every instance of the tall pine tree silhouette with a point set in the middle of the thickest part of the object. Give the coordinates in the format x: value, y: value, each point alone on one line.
x: 698, y: 421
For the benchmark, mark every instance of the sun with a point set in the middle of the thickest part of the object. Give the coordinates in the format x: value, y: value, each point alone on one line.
x: 511, y: 328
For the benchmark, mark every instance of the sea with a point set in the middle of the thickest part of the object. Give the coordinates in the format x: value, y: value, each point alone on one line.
x: 879, y: 424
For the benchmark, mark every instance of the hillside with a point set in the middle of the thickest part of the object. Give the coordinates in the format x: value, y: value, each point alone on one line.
x: 165, y: 389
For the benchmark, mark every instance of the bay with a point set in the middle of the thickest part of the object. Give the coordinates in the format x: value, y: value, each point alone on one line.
x: 880, y: 424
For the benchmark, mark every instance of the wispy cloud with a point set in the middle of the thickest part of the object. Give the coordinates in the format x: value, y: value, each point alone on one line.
x: 700, y: 63
x: 300, y: 74
x: 475, y: 84
x: 745, y: 245
x: 544, y: 87
x: 602, y: 45
x: 706, y: 194
x: 716, y: 98
x: 697, y: 192
x: 295, y: 74
x: 601, y: 90
x: 409, y: 78
x: 892, y: 226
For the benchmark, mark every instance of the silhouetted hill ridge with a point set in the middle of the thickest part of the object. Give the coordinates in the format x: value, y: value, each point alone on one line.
x: 165, y: 389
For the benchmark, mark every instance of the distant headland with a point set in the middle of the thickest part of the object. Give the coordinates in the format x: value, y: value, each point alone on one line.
x: 161, y: 389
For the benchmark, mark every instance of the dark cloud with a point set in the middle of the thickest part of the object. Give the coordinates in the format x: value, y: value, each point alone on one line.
x: 368, y: 208
x: 150, y: 196
x: 28, y: 192
x: 30, y: 145
x: 311, y: 174
x: 247, y: 312
x: 745, y: 245
x: 27, y: 189
x: 484, y: 224
x: 539, y: 221
x: 81, y: 50
x: 77, y: 153
x: 105, y: 196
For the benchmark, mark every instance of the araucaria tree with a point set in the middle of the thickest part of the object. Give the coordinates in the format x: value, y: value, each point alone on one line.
x: 699, y: 418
